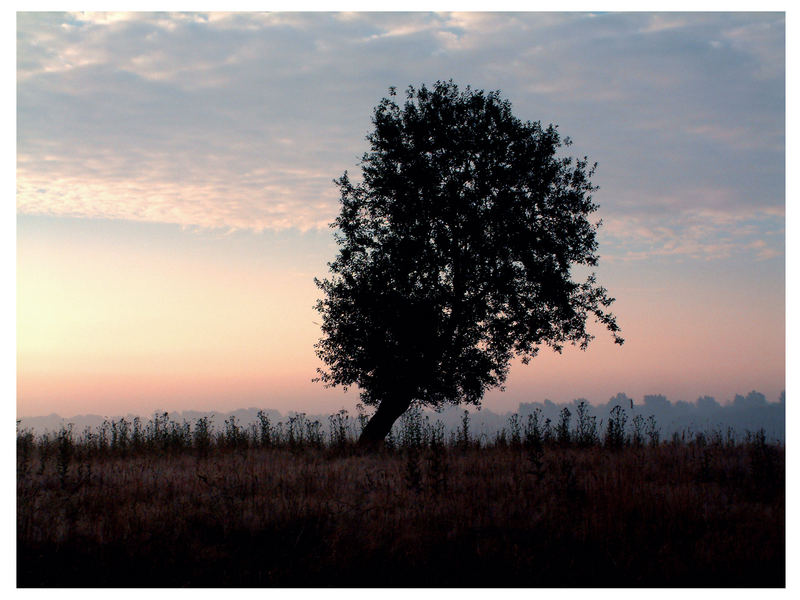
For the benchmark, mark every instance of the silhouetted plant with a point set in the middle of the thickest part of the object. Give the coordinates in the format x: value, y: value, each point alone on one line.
x: 66, y: 449
x: 296, y: 430
x: 515, y: 433
x: 314, y: 433
x: 699, y: 439
x: 157, y: 431
x: 637, y: 436
x: 89, y: 439
x: 432, y: 432
x: 44, y: 446
x: 120, y: 436
x: 500, y: 440
x: 202, y: 436
x: 533, y: 429
x: 464, y: 437
x: 455, y: 254
x: 339, y: 425
x: 137, y: 435
x: 730, y: 437
x: 562, y: 429
x: 265, y: 434
x: 547, y: 432
x: 438, y: 435
x: 653, y: 431
x: 615, y: 429
x: 586, y: 426
x: 279, y: 433
x: 103, y: 435
x: 437, y: 468
x: 363, y: 419
x: 25, y: 443
x: 411, y: 428
x: 179, y: 436
x: 715, y: 438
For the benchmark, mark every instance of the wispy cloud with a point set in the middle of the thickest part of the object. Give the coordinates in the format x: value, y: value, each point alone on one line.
x: 241, y: 120
x: 698, y: 234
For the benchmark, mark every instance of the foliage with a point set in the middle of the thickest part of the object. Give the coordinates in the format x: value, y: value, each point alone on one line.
x: 615, y: 429
x: 586, y: 427
x: 456, y: 253
x: 653, y: 431
x: 562, y: 429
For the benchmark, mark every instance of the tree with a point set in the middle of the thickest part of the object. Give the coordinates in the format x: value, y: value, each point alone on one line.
x: 455, y: 254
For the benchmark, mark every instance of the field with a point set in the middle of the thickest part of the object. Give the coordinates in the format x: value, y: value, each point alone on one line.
x: 170, y: 505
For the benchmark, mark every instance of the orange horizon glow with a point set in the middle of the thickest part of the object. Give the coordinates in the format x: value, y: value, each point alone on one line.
x: 116, y: 324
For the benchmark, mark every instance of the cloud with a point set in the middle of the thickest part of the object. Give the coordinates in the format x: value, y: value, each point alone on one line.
x: 210, y: 204
x: 698, y: 234
x: 241, y: 120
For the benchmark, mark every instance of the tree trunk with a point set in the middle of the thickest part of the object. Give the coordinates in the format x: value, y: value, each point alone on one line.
x: 379, y: 426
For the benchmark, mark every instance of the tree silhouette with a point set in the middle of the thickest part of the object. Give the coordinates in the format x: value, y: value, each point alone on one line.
x: 455, y: 254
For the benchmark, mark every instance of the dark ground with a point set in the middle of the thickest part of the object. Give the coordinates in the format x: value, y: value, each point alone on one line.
x: 670, y: 516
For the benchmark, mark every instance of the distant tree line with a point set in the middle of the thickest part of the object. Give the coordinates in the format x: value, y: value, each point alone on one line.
x: 749, y: 412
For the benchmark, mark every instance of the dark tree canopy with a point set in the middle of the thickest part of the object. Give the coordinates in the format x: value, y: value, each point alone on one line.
x: 456, y: 251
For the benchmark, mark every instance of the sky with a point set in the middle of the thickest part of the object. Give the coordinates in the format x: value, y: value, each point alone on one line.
x: 174, y: 190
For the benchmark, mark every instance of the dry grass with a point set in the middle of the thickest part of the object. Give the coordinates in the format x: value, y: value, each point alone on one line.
x: 663, y: 516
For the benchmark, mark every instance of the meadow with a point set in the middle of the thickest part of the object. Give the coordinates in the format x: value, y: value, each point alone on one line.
x: 298, y: 504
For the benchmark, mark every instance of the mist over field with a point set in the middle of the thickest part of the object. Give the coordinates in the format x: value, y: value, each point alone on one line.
x: 745, y: 413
